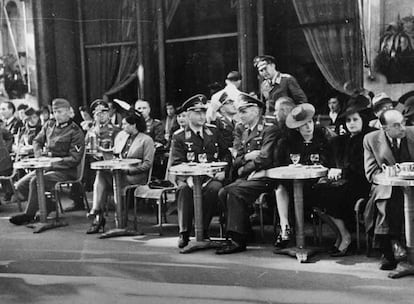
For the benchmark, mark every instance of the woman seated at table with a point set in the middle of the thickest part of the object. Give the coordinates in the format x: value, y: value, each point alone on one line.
x: 304, y: 144
x: 131, y: 142
x: 340, y: 196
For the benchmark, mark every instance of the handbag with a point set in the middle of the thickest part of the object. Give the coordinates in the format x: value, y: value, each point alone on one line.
x: 160, y: 184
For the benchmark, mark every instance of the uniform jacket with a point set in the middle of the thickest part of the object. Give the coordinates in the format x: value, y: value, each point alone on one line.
x: 14, y: 125
x: 141, y: 148
x: 377, y: 152
x: 65, y: 140
x: 155, y: 129
x: 284, y: 85
x: 226, y: 128
x: 6, y: 141
x: 185, y: 140
x: 262, y: 138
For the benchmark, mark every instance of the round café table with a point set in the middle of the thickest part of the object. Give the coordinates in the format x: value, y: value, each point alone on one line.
x: 298, y: 174
x: 117, y: 165
x: 40, y: 164
x: 407, y: 185
x: 197, y: 171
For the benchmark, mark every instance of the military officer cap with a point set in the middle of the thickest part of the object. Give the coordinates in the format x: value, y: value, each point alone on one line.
x: 58, y: 103
x: 195, y: 103
x: 179, y: 110
x: 262, y: 60
x: 99, y: 106
x: 224, y: 98
x: 246, y: 100
x: 30, y: 111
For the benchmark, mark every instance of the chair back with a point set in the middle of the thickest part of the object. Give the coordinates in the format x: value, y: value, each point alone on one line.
x: 81, y: 167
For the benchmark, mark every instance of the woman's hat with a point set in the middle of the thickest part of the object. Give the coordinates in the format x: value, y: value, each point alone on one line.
x: 300, y: 115
x: 353, y: 108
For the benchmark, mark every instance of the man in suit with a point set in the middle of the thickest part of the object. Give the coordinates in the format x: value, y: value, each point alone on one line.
x: 255, y: 153
x: 12, y: 123
x: 201, y: 143
x: 58, y: 138
x: 276, y: 84
x: 393, y: 143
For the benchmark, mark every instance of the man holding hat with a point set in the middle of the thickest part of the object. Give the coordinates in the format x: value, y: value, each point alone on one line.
x: 276, y: 84
x: 225, y: 119
x: 380, y: 103
x: 253, y: 154
x: 233, y: 82
x: 58, y: 138
x: 197, y: 142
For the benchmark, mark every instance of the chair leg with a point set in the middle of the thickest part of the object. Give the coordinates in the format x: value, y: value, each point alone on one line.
x: 261, y: 222
x: 159, y: 202
x: 85, y: 199
x: 57, y: 205
x: 164, y: 205
x: 135, y: 214
x: 57, y: 197
x: 357, y: 231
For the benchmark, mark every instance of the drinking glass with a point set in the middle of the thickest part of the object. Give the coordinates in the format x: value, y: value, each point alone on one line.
x: 202, y: 158
x: 295, y: 158
x: 314, y: 158
x: 190, y: 156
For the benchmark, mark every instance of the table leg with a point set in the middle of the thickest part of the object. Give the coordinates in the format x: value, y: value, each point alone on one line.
x: 406, y: 269
x: 199, y: 243
x: 299, y: 252
x: 43, y: 225
x: 40, y: 183
x: 121, y: 216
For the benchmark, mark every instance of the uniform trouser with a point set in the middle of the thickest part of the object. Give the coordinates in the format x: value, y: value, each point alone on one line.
x: 238, y: 199
x: 27, y: 187
x: 185, y: 205
x: 5, y: 185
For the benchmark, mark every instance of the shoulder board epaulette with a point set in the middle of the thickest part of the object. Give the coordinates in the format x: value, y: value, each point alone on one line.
x: 285, y: 75
x: 178, y: 131
x: 157, y: 120
x: 268, y: 124
x: 211, y: 125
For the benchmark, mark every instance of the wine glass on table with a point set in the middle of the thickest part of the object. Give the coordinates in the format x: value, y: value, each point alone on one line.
x: 314, y: 158
x: 295, y: 158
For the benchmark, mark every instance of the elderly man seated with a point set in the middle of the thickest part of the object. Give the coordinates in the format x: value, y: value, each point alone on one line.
x: 131, y: 142
x: 384, y: 211
x: 59, y: 138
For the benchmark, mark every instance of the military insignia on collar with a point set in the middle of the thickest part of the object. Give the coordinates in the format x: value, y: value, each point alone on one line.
x: 208, y: 132
x: 65, y: 124
x: 260, y: 128
x: 187, y: 134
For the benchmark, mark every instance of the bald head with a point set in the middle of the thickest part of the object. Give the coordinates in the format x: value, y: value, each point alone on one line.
x: 393, y: 123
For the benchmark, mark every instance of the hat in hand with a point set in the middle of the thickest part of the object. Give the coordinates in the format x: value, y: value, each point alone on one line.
x: 300, y: 115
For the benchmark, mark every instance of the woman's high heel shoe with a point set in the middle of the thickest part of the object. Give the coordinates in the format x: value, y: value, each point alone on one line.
x: 97, y: 225
x: 93, y: 213
x: 343, y: 252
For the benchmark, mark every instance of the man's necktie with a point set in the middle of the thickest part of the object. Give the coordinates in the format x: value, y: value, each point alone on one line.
x: 395, y: 150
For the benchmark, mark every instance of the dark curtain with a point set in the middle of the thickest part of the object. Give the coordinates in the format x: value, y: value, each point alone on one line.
x: 332, y: 32
x: 110, y: 68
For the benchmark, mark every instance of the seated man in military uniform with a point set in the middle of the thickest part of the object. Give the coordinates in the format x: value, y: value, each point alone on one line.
x: 59, y: 138
x: 256, y: 152
x: 197, y: 142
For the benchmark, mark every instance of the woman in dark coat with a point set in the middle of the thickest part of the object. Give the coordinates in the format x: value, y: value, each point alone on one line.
x: 339, y: 196
x: 309, y: 144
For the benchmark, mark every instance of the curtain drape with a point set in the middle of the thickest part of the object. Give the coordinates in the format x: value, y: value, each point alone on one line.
x: 110, y: 68
x: 332, y: 32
